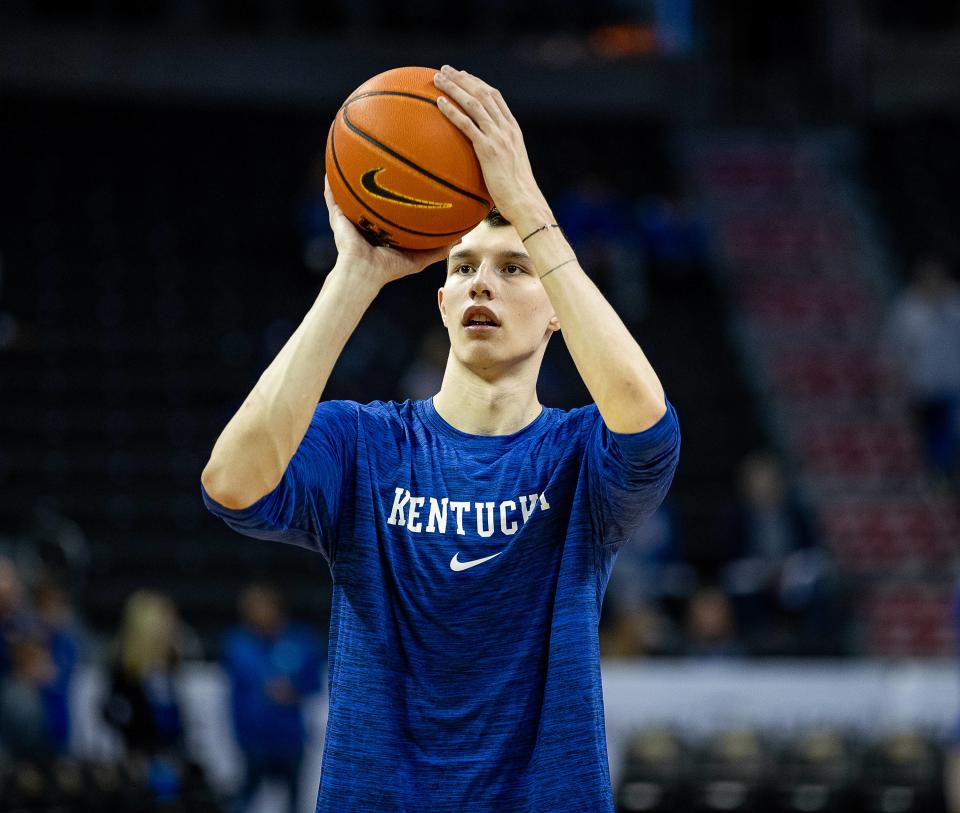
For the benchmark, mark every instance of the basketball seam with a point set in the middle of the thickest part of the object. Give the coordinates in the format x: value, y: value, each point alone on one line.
x: 365, y: 205
x: 406, y: 93
x: 353, y: 128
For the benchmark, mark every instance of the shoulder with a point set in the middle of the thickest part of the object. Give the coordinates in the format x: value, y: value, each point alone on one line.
x: 579, y: 420
x: 388, y: 419
x: 340, y: 411
x: 371, y: 412
x: 347, y: 419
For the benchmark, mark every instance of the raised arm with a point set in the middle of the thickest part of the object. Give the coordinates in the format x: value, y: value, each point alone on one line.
x: 621, y: 381
x: 253, y: 451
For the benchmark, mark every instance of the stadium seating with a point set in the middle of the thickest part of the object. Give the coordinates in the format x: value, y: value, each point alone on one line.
x: 805, y: 272
x: 810, y: 770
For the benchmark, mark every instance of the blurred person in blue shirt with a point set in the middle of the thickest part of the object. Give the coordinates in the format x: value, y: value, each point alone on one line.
x: 55, y: 626
x: 273, y: 664
x: 24, y: 723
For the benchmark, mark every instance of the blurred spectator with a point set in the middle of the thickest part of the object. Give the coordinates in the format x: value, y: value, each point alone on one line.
x: 648, y: 577
x: 56, y: 626
x: 142, y: 698
x: 639, y: 632
x: 711, y: 631
x: 15, y: 621
x: 597, y: 221
x: 922, y: 343
x: 273, y: 664
x: 650, y: 565
x: 782, y: 584
x: 675, y: 243
x: 24, y: 727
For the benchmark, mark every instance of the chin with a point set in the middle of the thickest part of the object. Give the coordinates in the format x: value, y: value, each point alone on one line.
x: 479, y: 354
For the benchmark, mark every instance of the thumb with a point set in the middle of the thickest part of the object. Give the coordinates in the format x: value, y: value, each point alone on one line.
x: 335, y: 214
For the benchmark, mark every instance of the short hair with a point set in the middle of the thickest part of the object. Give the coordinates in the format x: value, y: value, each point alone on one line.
x: 494, y: 219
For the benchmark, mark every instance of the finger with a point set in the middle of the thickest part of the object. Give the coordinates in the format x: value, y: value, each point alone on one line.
x: 476, y: 87
x: 502, y: 106
x: 461, y: 120
x: 470, y: 103
x: 425, y: 257
x: 440, y: 254
x: 328, y: 196
x: 334, y: 213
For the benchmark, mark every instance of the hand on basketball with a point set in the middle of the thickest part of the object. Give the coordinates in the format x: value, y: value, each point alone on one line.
x: 484, y: 118
x: 380, y: 264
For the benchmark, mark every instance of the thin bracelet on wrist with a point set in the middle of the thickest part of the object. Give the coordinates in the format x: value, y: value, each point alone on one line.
x: 565, y: 262
x: 544, y: 227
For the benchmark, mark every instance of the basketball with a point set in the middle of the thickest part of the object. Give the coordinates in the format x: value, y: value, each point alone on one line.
x: 399, y: 170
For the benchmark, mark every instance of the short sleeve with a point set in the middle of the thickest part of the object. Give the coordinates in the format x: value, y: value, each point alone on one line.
x: 629, y: 474
x: 306, y: 506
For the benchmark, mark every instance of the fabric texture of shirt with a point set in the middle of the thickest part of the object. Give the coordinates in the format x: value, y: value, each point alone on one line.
x: 468, y: 574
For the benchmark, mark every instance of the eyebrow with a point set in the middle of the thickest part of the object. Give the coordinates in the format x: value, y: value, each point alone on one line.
x: 467, y: 254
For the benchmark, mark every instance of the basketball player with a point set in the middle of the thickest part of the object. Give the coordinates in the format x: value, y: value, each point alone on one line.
x: 470, y: 536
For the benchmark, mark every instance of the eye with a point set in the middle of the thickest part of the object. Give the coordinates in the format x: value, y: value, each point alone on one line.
x: 466, y: 269
x: 514, y: 270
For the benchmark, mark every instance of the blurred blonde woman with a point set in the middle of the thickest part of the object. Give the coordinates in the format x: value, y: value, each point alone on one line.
x: 142, y: 702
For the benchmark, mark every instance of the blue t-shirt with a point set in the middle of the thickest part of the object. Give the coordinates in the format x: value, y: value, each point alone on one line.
x: 468, y: 574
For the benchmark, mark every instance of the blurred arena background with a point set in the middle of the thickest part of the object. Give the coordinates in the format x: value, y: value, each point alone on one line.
x: 766, y: 192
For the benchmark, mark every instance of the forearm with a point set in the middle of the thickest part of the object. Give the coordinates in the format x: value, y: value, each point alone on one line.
x: 253, y: 451
x: 620, y: 379
x: 618, y: 375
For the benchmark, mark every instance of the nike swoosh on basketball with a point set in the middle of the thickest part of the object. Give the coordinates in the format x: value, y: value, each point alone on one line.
x: 369, y: 182
x: 456, y: 564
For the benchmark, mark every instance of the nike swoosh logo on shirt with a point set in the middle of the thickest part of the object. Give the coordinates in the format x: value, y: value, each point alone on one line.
x: 456, y: 564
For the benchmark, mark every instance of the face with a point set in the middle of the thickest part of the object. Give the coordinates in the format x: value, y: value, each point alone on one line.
x: 491, y: 277
x: 762, y: 481
x: 261, y: 610
x: 9, y: 587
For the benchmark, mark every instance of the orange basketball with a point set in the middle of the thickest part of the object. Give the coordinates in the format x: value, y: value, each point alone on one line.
x: 403, y: 173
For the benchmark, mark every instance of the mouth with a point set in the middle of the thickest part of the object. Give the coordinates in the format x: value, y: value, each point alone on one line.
x: 479, y: 321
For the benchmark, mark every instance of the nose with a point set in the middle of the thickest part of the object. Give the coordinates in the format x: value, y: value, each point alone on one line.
x: 482, y: 281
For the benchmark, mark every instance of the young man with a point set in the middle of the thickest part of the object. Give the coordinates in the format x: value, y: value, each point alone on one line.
x: 470, y: 536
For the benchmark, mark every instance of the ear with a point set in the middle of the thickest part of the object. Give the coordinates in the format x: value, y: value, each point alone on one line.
x: 554, y: 324
x: 443, y: 309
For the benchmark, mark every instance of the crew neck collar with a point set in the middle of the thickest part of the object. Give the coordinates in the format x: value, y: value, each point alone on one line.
x: 429, y: 412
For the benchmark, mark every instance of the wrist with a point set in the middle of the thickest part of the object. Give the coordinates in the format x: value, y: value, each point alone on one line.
x: 362, y: 278
x: 529, y: 215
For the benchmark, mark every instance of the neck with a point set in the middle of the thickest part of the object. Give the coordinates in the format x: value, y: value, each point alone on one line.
x: 481, y: 406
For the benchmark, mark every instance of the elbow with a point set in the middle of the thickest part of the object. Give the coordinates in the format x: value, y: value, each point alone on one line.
x: 635, y: 408
x: 214, y: 481
x: 211, y: 478
x: 229, y: 491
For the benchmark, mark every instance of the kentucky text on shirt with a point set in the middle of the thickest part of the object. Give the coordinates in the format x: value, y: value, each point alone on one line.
x: 408, y: 512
